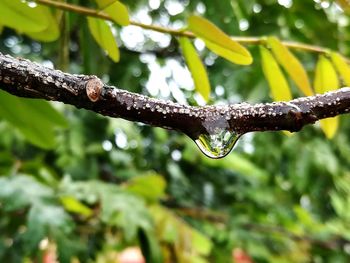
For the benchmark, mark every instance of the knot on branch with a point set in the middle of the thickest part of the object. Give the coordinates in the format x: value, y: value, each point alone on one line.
x: 94, y: 88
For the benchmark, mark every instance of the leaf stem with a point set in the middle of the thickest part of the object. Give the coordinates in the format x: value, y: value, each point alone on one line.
x: 175, y: 32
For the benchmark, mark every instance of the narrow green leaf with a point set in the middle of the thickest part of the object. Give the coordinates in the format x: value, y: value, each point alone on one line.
x: 20, y: 16
x: 342, y: 67
x: 36, y: 120
x: 73, y: 205
x: 116, y: 10
x: 103, y: 35
x: 196, y: 67
x: 326, y: 79
x: 150, y: 246
x: 278, y: 84
x: 218, y: 42
x: 291, y: 64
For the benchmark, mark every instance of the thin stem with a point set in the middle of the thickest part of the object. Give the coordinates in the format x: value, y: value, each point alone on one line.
x: 246, y: 40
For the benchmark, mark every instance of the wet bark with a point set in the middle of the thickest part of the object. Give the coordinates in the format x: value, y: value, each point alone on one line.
x: 24, y: 78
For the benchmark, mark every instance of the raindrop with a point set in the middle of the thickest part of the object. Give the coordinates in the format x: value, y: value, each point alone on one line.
x: 217, y: 145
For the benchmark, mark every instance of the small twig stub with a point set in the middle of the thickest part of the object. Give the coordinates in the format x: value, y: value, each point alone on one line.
x: 93, y: 89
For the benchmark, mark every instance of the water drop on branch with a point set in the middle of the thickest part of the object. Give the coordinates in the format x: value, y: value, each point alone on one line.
x: 217, y: 145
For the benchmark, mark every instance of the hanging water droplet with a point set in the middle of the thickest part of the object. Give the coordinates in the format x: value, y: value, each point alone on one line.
x: 217, y: 145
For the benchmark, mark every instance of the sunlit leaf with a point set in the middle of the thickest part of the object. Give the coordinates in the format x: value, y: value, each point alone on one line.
x: 196, y: 68
x: 201, y: 243
x: 117, y: 11
x: 326, y: 79
x: 103, y: 35
x: 218, y: 42
x: 50, y: 33
x: 73, y: 205
x: 104, y: 3
x: 35, y: 119
x: 278, y: 84
x: 291, y: 64
x: 342, y: 67
x: 151, y: 187
x: 345, y: 5
x: 20, y: 16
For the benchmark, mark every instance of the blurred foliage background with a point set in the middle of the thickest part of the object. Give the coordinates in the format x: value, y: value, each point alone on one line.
x: 102, y: 185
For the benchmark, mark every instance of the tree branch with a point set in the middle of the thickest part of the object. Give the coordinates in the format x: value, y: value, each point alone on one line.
x: 99, y: 14
x: 24, y: 78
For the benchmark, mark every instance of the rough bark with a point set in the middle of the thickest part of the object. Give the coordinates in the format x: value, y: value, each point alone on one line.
x: 24, y: 78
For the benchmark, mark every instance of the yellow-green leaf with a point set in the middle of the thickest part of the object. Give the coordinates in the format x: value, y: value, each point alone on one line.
x: 117, y: 11
x: 104, y: 3
x: 151, y: 187
x: 218, y: 42
x: 35, y: 119
x: 196, y: 67
x: 20, y: 16
x: 75, y: 206
x: 342, y: 67
x: 291, y: 64
x: 103, y: 35
x: 50, y: 33
x: 326, y: 79
x: 278, y: 84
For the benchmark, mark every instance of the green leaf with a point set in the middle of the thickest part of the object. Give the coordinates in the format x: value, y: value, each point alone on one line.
x: 278, y: 84
x: 46, y: 220
x: 117, y: 11
x: 73, y: 205
x: 22, y: 190
x: 201, y: 243
x: 342, y: 67
x: 151, y: 187
x: 35, y: 119
x: 196, y: 67
x: 103, y: 35
x: 218, y: 42
x: 326, y: 79
x: 124, y: 210
x: 20, y: 16
x: 291, y: 64
x: 118, y: 207
x: 48, y: 114
x: 174, y: 230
